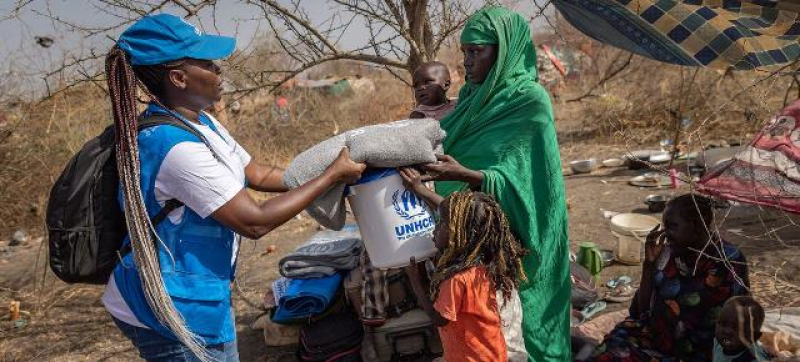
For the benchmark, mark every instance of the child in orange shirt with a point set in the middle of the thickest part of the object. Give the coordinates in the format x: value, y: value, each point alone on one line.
x: 479, y: 257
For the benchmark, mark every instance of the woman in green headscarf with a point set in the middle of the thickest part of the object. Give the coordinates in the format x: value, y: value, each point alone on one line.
x: 503, y: 134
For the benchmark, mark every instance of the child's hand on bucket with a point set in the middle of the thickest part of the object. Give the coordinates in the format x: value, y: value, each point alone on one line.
x: 346, y: 170
x: 413, y: 180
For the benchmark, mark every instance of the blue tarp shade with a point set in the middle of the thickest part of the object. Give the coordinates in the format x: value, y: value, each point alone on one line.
x: 718, y: 34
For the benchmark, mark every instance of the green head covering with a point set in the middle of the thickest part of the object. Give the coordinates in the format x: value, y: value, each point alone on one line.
x: 513, y: 72
x: 515, y: 65
x: 504, y: 127
x: 479, y: 30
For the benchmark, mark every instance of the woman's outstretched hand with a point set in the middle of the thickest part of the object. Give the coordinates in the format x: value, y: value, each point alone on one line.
x: 346, y: 170
x: 445, y: 169
x: 448, y: 169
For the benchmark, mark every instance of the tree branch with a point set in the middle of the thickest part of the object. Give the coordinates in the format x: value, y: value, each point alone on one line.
x: 607, y: 77
x: 305, y: 24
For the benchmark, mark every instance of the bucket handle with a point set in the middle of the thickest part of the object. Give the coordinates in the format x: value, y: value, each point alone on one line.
x: 632, y: 233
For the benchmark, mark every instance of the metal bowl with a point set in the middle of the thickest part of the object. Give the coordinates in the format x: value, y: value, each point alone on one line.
x: 607, y: 256
x: 583, y: 166
x: 660, y: 158
x: 613, y: 162
x: 656, y: 203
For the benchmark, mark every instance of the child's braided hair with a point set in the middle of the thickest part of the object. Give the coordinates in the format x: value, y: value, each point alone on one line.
x: 480, y: 235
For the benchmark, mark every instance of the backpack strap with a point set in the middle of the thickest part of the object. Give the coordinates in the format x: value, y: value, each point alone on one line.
x: 170, y: 120
x: 171, y: 204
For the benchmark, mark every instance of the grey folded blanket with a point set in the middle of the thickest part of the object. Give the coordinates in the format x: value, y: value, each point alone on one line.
x: 394, y: 144
x: 324, y: 254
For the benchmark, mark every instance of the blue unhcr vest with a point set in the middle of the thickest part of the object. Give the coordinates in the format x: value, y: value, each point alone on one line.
x: 197, y: 270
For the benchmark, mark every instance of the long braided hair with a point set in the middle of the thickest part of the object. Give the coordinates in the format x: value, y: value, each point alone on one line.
x: 122, y: 86
x: 479, y: 234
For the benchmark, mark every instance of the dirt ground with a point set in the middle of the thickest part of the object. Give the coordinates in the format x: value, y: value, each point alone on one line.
x: 69, y: 323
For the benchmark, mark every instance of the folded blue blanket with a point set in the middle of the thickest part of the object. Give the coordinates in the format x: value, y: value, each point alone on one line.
x: 303, y: 298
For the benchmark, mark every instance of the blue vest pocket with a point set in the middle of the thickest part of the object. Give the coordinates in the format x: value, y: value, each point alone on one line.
x: 204, y: 303
x: 207, y: 257
x: 197, y: 287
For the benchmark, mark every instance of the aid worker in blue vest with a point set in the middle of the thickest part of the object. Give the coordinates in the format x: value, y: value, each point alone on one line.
x: 198, y: 242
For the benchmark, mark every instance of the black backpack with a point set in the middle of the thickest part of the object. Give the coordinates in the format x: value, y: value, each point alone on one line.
x: 85, y: 224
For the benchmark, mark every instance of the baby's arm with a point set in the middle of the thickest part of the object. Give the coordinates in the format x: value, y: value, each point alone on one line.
x: 412, y: 271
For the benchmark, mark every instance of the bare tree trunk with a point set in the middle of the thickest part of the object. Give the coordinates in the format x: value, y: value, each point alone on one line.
x: 419, y: 22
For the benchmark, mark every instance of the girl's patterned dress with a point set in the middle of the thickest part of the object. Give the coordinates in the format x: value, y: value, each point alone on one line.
x: 685, y: 304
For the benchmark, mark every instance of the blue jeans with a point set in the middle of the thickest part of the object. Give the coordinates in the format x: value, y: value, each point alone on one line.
x: 154, y: 347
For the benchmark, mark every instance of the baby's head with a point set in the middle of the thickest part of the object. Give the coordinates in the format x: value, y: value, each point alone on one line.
x: 431, y: 83
x: 739, y: 324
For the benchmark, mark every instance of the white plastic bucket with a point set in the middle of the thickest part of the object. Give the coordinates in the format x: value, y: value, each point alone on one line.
x: 395, y: 224
x: 631, y: 231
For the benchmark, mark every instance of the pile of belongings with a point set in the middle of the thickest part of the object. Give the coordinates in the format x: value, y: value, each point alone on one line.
x: 321, y: 305
x: 389, y: 145
x: 765, y: 171
x: 716, y: 34
x: 312, y: 274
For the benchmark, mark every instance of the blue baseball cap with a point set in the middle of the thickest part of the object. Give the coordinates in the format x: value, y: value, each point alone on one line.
x: 162, y: 38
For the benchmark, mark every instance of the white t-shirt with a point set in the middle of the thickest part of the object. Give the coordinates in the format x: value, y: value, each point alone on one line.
x: 191, y: 174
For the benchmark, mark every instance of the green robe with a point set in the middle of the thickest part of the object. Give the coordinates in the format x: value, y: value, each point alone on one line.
x: 504, y: 127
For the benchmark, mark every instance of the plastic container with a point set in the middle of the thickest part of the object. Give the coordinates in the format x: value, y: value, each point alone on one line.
x: 395, y: 224
x: 631, y: 231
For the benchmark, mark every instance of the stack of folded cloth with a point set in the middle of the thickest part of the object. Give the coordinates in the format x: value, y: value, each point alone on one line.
x: 325, y: 254
x: 312, y: 274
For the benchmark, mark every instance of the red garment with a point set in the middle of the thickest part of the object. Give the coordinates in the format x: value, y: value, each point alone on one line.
x: 474, y: 332
x: 282, y: 102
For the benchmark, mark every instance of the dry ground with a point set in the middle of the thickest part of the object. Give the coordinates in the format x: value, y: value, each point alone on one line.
x: 68, y: 323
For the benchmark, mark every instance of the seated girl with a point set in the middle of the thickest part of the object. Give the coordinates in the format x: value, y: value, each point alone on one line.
x: 687, y: 276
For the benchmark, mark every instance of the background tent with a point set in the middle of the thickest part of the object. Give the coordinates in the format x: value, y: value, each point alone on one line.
x: 718, y: 34
x: 766, y: 171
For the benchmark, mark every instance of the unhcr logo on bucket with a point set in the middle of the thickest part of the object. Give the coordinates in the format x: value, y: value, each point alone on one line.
x: 409, y: 206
